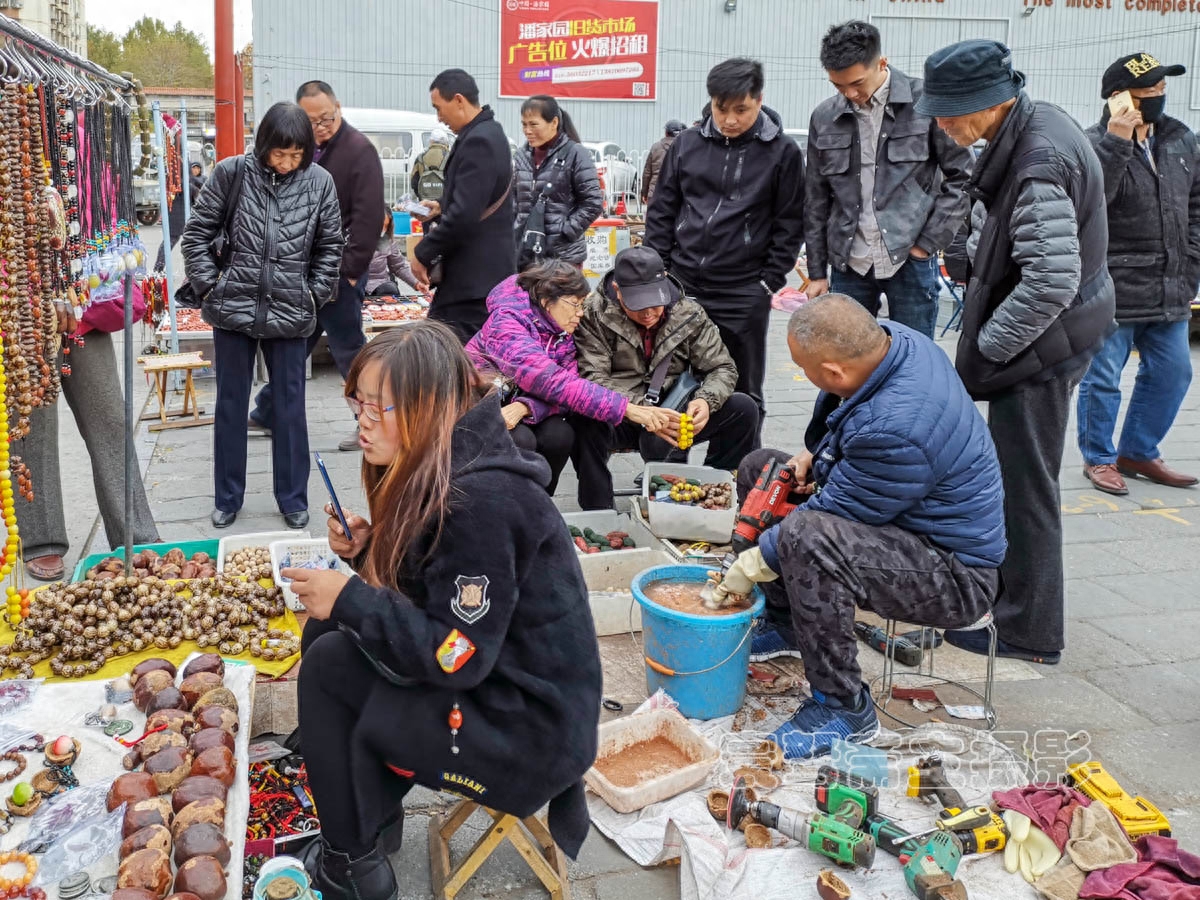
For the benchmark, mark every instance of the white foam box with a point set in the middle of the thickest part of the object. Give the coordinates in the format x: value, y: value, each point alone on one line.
x: 609, y: 575
x: 619, y: 734
x: 681, y: 522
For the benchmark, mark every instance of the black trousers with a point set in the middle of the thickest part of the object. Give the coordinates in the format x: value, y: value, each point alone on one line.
x: 465, y: 317
x: 731, y: 433
x: 1029, y: 428
x: 340, y: 320
x: 334, y: 686
x: 832, y: 565
x: 553, y: 439
x: 233, y: 360
x: 743, y: 316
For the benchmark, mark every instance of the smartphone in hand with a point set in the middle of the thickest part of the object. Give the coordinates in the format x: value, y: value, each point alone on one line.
x: 1119, y: 103
x: 337, y: 507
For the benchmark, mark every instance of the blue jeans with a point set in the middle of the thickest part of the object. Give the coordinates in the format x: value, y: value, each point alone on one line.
x: 1164, y: 373
x: 912, y: 292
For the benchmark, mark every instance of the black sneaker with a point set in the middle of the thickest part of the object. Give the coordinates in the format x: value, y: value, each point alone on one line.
x: 338, y: 877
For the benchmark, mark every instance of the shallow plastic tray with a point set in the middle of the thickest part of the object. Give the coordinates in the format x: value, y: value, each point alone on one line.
x: 615, y: 736
x: 212, y: 548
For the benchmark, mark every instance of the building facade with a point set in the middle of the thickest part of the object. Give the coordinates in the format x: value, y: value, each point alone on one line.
x: 384, y: 55
x: 62, y: 21
x: 201, y: 109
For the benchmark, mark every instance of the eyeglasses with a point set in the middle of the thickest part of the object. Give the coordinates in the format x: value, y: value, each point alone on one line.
x: 323, y: 122
x: 575, y: 306
x: 373, y: 411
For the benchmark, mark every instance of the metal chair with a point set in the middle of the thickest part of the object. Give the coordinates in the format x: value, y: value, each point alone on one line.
x: 927, y: 643
x: 954, y: 288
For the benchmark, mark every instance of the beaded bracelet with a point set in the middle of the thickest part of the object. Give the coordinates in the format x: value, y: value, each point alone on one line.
x: 13, y: 758
x: 20, y: 884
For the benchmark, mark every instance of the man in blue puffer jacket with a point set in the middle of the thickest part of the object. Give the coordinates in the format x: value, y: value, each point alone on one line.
x: 905, y: 517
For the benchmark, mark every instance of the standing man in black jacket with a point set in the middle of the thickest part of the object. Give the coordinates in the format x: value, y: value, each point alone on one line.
x: 727, y: 214
x: 469, y: 234
x: 1151, y: 167
x: 346, y: 154
x: 884, y: 188
x: 1039, y: 304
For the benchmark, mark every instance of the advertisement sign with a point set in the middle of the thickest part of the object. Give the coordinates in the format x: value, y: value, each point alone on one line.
x: 581, y: 49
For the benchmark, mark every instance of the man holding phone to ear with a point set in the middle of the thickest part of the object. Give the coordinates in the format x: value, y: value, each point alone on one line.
x: 1151, y: 166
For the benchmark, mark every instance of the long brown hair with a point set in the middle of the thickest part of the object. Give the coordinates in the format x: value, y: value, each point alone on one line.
x: 433, y: 384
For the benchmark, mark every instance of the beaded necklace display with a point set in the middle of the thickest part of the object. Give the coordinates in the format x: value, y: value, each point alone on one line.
x: 15, y: 174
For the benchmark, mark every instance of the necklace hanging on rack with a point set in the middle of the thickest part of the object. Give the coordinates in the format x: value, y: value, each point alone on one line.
x: 174, y: 169
x: 13, y: 274
x: 42, y: 302
x: 145, y: 129
x: 31, y: 301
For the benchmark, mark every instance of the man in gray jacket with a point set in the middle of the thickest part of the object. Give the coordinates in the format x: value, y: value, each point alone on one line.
x: 1039, y: 303
x: 884, y: 185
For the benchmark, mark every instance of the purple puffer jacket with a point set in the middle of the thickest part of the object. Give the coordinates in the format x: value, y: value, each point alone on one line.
x: 523, y: 344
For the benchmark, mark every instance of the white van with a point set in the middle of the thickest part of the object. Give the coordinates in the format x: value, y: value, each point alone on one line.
x: 399, y: 137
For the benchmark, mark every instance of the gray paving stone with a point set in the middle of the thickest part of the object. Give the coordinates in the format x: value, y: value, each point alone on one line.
x: 1060, y: 700
x: 1089, y: 560
x: 1087, y: 599
x: 600, y: 856
x: 661, y: 883
x: 1166, y: 636
x: 1153, y: 591
x: 1154, y: 691
x: 1090, y: 648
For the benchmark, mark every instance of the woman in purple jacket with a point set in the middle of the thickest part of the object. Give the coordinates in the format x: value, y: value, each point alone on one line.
x: 527, y: 343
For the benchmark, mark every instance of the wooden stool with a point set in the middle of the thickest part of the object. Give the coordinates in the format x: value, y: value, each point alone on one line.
x: 161, y: 366
x: 530, y: 836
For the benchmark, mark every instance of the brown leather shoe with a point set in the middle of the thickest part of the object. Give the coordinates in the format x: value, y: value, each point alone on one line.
x: 1105, y: 477
x: 45, y: 568
x: 1156, y: 470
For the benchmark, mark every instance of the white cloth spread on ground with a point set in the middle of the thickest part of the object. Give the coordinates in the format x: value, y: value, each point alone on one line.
x: 715, y: 863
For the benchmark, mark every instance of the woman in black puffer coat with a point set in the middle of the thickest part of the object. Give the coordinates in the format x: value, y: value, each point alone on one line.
x: 286, y: 246
x: 555, y: 166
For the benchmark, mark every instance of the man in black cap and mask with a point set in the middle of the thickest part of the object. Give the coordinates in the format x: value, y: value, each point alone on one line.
x: 1151, y: 168
x: 1039, y: 304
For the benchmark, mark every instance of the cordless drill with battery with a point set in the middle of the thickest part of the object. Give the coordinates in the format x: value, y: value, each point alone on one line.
x: 855, y: 801
x: 773, y: 496
x: 821, y: 833
x: 979, y: 829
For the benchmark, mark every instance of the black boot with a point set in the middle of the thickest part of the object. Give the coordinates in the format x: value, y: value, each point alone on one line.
x: 338, y: 877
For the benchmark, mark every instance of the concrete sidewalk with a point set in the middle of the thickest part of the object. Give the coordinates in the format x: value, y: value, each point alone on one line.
x: 1130, y: 678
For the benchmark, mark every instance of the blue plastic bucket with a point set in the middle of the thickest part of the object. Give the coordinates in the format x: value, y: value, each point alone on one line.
x: 701, y: 661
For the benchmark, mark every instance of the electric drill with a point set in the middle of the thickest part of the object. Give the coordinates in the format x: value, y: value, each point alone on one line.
x: 930, y: 872
x: 980, y: 830
x: 768, y: 503
x: 855, y: 801
x: 820, y: 833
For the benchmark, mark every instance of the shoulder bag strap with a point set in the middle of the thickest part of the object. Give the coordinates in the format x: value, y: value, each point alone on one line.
x: 491, y: 210
x: 657, y: 377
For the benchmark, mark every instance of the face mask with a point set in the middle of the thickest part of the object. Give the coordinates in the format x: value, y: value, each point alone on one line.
x: 1151, y: 108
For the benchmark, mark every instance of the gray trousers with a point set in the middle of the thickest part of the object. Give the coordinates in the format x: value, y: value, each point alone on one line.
x: 831, y: 566
x: 93, y: 391
x: 1029, y: 429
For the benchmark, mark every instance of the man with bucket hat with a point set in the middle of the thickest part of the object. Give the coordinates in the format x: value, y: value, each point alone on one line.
x: 1039, y: 304
x: 1151, y: 166
x: 639, y: 336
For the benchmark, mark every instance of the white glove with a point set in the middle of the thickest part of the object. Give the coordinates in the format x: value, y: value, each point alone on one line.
x: 1029, y: 849
x: 747, y: 570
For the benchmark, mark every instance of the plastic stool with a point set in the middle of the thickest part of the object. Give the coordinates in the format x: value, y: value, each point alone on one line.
x: 530, y: 836
x: 889, y: 665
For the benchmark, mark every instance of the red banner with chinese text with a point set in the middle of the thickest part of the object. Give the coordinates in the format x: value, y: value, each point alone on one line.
x: 585, y: 49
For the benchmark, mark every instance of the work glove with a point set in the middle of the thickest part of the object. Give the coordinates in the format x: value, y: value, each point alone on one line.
x: 1029, y: 849
x: 747, y: 570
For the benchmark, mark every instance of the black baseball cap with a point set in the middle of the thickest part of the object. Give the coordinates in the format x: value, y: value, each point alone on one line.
x: 968, y: 77
x: 643, y: 279
x: 674, y: 126
x: 1138, y: 70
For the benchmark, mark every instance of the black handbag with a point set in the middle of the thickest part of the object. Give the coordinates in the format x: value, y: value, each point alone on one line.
x: 222, y: 245
x: 533, y: 246
x: 681, y: 392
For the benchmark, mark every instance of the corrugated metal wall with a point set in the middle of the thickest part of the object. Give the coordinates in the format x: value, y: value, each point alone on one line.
x: 384, y: 54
